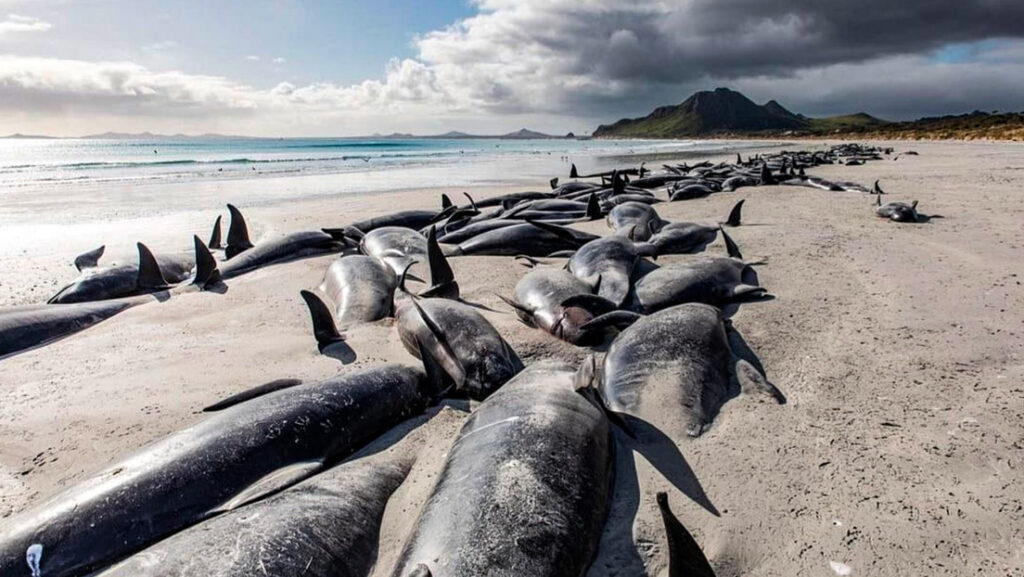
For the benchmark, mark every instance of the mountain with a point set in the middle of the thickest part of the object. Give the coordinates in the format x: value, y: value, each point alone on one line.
x: 704, y: 113
x: 20, y: 136
x: 525, y: 134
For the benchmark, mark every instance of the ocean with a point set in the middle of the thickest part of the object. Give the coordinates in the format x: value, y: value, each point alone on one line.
x: 52, y: 165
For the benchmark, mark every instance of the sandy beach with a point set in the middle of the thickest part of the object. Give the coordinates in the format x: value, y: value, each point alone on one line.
x: 899, y: 347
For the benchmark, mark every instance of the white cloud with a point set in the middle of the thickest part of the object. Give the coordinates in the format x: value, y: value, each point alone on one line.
x: 279, y: 60
x: 252, y: 58
x: 16, y: 23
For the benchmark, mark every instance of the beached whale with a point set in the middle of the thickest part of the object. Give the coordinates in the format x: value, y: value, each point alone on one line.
x: 636, y: 220
x: 151, y: 274
x: 541, y: 299
x: 245, y: 257
x: 397, y: 246
x: 606, y: 265
x: 525, y: 488
x: 22, y: 328
x: 238, y: 455
x: 457, y: 345
x: 715, y: 281
x: 530, y: 239
x: 897, y: 211
x: 689, y: 237
x: 325, y: 526
x: 678, y: 357
x: 362, y: 288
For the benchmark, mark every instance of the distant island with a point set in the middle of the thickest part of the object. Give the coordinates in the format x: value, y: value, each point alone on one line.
x: 725, y: 113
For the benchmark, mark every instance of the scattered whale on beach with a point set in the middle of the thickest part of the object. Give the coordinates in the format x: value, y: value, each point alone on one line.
x: 245, y: 257
x: 362, y: 288
x: 606, y: 265
x: 457, y: 345
x: 22, y: 328
x: 677, y: 357
x: 715, y: 281
x: 510, y: 500
x: 896, y: 211
x: 541, y: 299
x: 233, y: 457
x: 530, y: 239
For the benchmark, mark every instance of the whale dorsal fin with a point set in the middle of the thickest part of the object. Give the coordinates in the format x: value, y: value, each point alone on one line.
x: 275, y: 385
x: 324, y: 329
x: 89, y: 259
x: 554, y: 183
x: 206, y: 266
x: 238, y: 234
x: 573, y: 173
x: 735, y: 214
x: 149, y: 276
x: 730, y: 246
x: 684, y: 555
x: 445, y: 201
x: 593, y: 208
x: 215, y: 239
x: 442, y: 279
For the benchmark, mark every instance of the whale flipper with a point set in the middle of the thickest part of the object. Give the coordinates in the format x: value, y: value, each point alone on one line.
x: 275, y: 385
x: 324, y: 329
x: 272, y: 483
x: 150, y: 277
x: 684, y: 555
x: 238, y: 234
x: 89, y: 259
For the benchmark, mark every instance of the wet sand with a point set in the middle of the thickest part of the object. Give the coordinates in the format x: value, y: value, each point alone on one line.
x: 899, y: 348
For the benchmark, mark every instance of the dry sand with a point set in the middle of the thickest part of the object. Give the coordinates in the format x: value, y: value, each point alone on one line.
x: 899, y: 348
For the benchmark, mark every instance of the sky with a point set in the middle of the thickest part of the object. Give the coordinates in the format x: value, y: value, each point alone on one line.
x: 338, y: 68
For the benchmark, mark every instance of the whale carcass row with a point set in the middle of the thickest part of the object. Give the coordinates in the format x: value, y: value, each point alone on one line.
x: 326, y: 526
x: 679, y: 358
x: 238, y: 455
x: 525, y: 488
x: 542, y: 299
x: 151, y: 274
x: 22, y: 328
